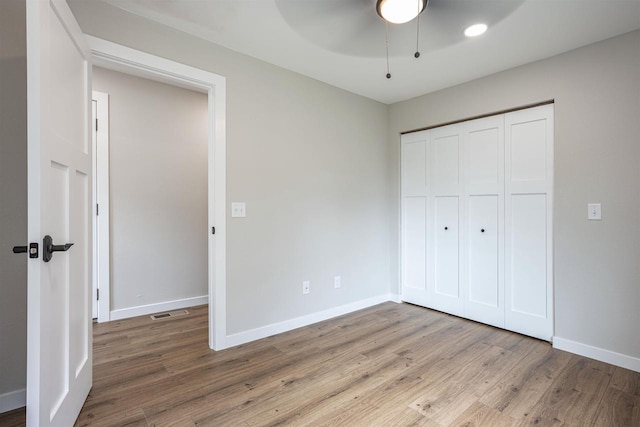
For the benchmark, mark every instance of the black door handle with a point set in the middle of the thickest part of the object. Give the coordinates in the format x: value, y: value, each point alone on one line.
x: 50, y: 248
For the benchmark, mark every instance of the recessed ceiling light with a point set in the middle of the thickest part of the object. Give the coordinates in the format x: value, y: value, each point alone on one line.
x: 475, y: 30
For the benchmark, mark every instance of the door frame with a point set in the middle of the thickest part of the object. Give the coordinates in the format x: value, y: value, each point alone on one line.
x: 101, y: 246
x: 130, y: 61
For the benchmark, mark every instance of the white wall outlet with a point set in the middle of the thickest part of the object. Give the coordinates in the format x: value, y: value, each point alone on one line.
x: 238, y: 209
x: 337, y: 283
x: 306, y: 287
x: 594, y: 212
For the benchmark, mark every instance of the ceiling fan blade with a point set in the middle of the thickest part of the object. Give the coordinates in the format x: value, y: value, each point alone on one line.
x: 353, y: 27
x: 345, y: 26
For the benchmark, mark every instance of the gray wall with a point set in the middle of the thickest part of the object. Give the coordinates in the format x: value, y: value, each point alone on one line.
x: 321, y: 178
x: 597, y: 159
x: 158, y: 185
x: 13, y: 196
x: 309, y: 160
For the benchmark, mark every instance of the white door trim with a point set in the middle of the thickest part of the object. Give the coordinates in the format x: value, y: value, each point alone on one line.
x: 101, y: 210
x: 117, y: 57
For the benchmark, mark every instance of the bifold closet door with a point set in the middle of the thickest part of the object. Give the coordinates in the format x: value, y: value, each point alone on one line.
x: 528, y: 234
x: 443, y: 250
x: 476, y: 203
x: 484, y: 220
x: 414, y: 181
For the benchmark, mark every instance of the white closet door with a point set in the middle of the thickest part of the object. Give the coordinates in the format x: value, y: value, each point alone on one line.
x: 528, y: 234
x: 484, y: 220
x: 414, y: 181
x: 443, y: 251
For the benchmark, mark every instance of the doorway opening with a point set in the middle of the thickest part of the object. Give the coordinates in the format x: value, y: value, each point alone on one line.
x: 151, y: 195
x: 129, y: 61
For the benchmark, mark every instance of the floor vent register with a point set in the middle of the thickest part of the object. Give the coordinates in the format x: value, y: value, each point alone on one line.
x: 169, y: 314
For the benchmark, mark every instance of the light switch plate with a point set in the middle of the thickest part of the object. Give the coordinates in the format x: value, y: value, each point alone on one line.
x: 238, y: 210
x: 594, y: 211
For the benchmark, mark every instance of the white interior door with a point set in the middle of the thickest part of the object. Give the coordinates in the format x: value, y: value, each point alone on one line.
x: 59, y: 357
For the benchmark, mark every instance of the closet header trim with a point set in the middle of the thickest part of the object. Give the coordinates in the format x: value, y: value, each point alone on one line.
x: 481, y: 116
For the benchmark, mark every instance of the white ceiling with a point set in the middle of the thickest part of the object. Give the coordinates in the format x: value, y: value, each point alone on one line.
x: 342, y: 42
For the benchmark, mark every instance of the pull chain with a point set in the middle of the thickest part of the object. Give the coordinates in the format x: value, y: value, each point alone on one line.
x: 386, y: 40
x: 417, y: 54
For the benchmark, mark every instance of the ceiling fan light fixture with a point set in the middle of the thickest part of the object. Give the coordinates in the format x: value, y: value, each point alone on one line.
x: 399, y: 11
x: 475, y: 30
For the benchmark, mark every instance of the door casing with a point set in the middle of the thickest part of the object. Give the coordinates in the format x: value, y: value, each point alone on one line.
x: 130, y: 61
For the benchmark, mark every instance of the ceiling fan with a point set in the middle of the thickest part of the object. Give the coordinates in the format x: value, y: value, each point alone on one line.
x: 400, y: 12
x: 384, y: 28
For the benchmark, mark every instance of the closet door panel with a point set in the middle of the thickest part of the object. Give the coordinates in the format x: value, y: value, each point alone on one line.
x: 483, y: 259
x: 443, y: 264
x: 446, y: 281
x: 528, y: 150
x: 414, y: 249
x: 414, y: 171
x: 484, y: 190
x: 414, y: 225
x: 445, y: 162
x: 528, y: 255
x: 484, y: 154
x: 528, y: 227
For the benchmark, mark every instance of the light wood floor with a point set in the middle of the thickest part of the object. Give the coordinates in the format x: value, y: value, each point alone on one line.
x: 390, y: 365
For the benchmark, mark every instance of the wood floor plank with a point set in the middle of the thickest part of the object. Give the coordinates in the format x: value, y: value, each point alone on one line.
x: 14, y: 418
x: 368, y: 368
x: 463, y: 387
x: 526, y: 383
x: 574, y: 395
x: 618, y: 408
x: 360, y: 414
x: 101, y: 403
x: 627, y: 381
x: 312, y: 404
x: 130, y: 417
x: 239, y: 398
x: 480, y: 414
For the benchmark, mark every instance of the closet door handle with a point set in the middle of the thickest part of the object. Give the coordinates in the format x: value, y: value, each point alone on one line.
x: 482, y: 230
x: 446, y: 228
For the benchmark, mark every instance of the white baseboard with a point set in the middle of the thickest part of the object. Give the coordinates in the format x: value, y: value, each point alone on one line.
x: 298, y: 322
x: 143, y: 310
x: 13, y: 400
x: 395, y: 298
x: 607, y: 356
